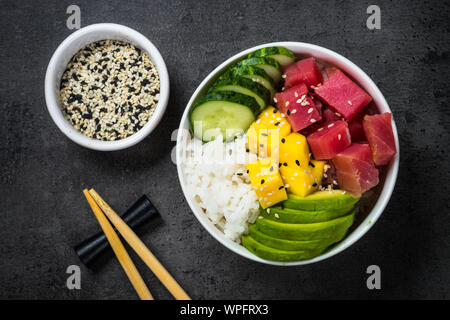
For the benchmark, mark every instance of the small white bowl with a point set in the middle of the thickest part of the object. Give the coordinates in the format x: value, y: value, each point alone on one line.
x: 58, y: 63
x: 366, y: 83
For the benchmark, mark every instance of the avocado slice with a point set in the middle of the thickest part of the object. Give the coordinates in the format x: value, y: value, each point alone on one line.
x: 292, y: 245
x: 320, y: 200
x: 269, y: 253
x: 287, y: 215
x: 310, y: 231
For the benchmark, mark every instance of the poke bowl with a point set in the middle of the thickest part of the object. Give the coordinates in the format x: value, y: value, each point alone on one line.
x: 310, y: 161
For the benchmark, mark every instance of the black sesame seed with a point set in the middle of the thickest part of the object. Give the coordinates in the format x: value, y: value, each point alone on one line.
x: 285, y: 164
x: 277, y: 123
x: 262, y: 181
x: 275, y: 110
x: 311, y: 164
x: 297, y: 162
x: 271, y: 169
x: 239, y: 173
x: 280, y: 187
x: 283, y: 140
x: 314, y: 184
x: 288, y: 112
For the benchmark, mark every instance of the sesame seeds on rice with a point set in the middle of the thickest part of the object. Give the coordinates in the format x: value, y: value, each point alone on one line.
x: 109, y: 90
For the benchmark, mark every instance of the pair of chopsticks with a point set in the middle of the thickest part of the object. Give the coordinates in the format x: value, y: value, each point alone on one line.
x: 103, y: 212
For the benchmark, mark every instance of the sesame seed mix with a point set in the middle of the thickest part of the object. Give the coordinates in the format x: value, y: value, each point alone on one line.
x: 109, y: 90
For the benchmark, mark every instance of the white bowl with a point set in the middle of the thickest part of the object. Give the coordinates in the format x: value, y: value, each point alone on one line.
x: 363, y: 79
x: 58, y: 63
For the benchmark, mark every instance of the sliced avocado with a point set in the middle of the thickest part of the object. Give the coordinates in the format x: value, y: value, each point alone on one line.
x: 287, y: 215
x: 269, y: 253
x: 310, y: 231
x: 320, y: 200
x: 292, y: 245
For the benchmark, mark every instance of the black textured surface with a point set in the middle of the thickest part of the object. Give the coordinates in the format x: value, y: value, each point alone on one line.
x: 43, y: 212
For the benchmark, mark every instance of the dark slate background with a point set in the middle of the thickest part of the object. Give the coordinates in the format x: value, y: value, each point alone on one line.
x: 43, y: 212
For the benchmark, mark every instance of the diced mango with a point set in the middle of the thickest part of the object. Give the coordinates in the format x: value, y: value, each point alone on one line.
x: 294, y: 151
x: 266, y: 180
x: 266, y: 131
x: 303, y: 181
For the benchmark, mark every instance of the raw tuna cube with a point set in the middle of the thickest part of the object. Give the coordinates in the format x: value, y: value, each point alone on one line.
x: 298, y: 106
x: 329, y: 140
x: 355, y: 170
x: 356, y: 127
x: 343, y: 95
x: 304, y: 71
x: 329, y: 116
x: 378, y: 129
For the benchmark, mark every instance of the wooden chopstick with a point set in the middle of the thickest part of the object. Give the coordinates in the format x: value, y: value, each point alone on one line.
x: 144, y: 253
x: 120, y: 251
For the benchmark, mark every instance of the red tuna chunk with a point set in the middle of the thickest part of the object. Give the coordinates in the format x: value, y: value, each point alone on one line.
x: 329, y: 140
x: 356, y: 127
x: 355, y: 170
x: 298, y: 106
x: 343, y: 95
x: 329, y: 116
x: 304, y: 71
x: 378, y: 130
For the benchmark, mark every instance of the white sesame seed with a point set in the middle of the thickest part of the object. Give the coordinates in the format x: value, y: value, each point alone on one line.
x: 312, y: 120
x: 349, y: 102
x: 339, y: 136
x: 320, y: 129
x: 268, y: 210
x: 310, y: 110
x: 330, y: 125
x: 283, y: 76
x: 275, y: 100
x: 287, y: 103
x: 277, y: 215
x: 296, y: 94
x: 287, y: 186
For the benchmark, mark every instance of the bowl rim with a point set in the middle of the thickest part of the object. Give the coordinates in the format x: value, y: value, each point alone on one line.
x: 78, y: 40
x: 391, y: 173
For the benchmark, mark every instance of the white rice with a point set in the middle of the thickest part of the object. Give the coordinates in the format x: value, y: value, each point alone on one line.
x: 227, y: 199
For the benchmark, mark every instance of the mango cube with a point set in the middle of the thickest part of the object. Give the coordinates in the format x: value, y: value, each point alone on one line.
x: 303, y: 181
x: 266, y: 180
x: 266, y: 131
x: 294, y: 151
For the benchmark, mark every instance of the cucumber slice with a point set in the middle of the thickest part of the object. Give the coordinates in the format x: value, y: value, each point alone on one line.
x: 269, y: 65
x: 252, y: 73
x: 244, y: 86
x: 282, y: 55
x: 224, y: 113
